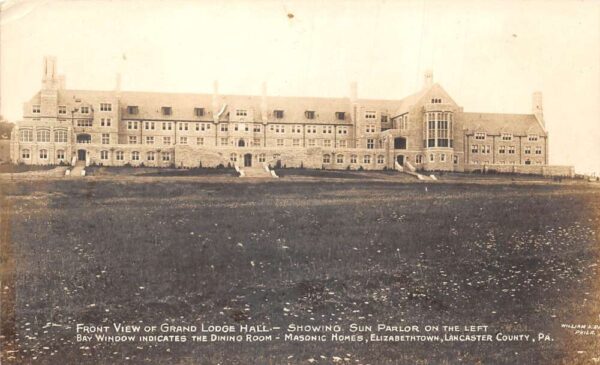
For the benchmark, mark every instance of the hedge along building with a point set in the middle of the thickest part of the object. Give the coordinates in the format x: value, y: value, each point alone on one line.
x: 426, y: 130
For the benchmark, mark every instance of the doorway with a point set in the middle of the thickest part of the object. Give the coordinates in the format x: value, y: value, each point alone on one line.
x: 81, y: 155
x: 247, y: 160
x: 400, y: 159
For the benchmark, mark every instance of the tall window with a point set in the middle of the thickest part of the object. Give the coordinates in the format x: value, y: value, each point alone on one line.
x: 26, y: 135
x: 43, y: 154
x: 104, y: 155
x: 430, y: 129
x: 367, y: 159
x: 150, y: 156
x: 43, y: 135
x: 60, y: 154
x: 119, y: 155
x: 370, y: 143
x: 25, y: 154
x: 326, y: 158
x: 135, y: 156
x: 442, y: 125
x: 105, y: 138
x: 105, y: 107
x: 60, y: 136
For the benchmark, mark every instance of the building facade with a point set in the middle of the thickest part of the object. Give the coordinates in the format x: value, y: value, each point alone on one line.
x: 426, y: 131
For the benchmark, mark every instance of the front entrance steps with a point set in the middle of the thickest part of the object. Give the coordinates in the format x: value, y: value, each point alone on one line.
x: 78, y: 169
x: 409, y: 169
x: 257, y: 172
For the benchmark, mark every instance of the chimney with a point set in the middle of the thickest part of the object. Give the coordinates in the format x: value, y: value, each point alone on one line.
x: 215, y: 101
x: 263, y: 103
x: 537, y: 107
x: 49, y: 79
x: 428, y: 79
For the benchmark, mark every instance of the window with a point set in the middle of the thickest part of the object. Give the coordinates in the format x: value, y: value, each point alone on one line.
x: 119, y: 155
x: 295, y: 142
x: 353, y: 159
x: 339, y: 159
x: 485, y: 149
x: 370, y: 115
x: 182, y: 140
x: 327, y: 129
x: 436, y: 101
x: 105, y: 138
x: 431, y: 157
x: 105, y: 107
x: 532, y: 138
x: 166, y: 156
x: 475, y: 148
x: 367, y: 159
x: 480, y: 136
x: 26, y: 135
x: 326, y: 158
x: 35, y: 109
x: 507, y: 137
x: 256, y: 128
x: 278, y: 114
x: 199, y: 112
x: 311, y: 129
x: 25, y: 154
x: 85, y: 110
x: 149, y: 140
x: 340, y: 115
x: 84, y: 122
x: 311, y: 143
x: 342, y: 130
x: 200, y: 141
x: 104, y: 155
x: 419, y: 159
x: 370, y: 128
x: 455, y: 157
x: 443, y: 157
x: 150, y: 156
x: 149, y: 126
x: 279, y: 142
x: 403, y: 122
x: 166, y: 110
x: 132, y: 139
x: 502, y: 149
x: 538, y: 150
x: 380, y: 159
x: 326, y: 143
x: 105, y: 122
x: 384, y: 119
x: 43, y: 135
x: 60, y: 154
x: 224, y: 127
x: 132, y: 125
x: 241, y: 113
x: 43, y: 154
x: 224, y: 142
x: 183, y: 126
x: 442, y: 126
x: 342, y: 143
x: 135, y: 156
x: 256, y: 141
x: 370, y: 143
x: 528, y: 150
x: 309, y: 114
x: 132, y: 109
x: 430, y: 129
x: 60, y: 136
x: 511, y: 150
x: 62, y: 109
x: 166, y: 140
x: 277, y: 157
x: 233, y: 157
x: 167, y: 126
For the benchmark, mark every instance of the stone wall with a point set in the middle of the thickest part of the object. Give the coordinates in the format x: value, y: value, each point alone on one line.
x: 545, y: 170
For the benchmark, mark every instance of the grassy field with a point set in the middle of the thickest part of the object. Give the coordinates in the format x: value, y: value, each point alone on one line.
x: 515, y: 257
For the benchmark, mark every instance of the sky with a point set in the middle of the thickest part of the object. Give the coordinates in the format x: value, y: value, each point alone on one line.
x: 490, y: 56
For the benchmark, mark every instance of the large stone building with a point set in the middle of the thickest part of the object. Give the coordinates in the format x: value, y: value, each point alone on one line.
x: 427, y: 130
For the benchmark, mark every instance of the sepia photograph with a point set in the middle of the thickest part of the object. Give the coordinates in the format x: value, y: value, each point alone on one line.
x: 299, y: 182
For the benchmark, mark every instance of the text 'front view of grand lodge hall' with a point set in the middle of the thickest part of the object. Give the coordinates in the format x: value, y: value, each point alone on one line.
x: 425, y: 131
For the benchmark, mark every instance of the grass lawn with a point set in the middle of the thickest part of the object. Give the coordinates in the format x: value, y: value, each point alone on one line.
x: 518, y: 258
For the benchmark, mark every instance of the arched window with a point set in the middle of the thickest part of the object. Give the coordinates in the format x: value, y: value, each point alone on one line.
x: 367, y: 159
x: 43, y: 135
x: 104, y: 155
x: 43, y: 154
x: 233, y: 157
x: 353, y: 159
x: 119, y: 155
x: 380, y: 159
x: 166, y: 156
x: 60, y: 136
x: 326, y: 158
x: 25, y: 154
x: 60, y: 154
x: 135, y: 156
x: 241, y: 143
x: 150, y: 156
x: 26, y: 135
x: 339, y: 159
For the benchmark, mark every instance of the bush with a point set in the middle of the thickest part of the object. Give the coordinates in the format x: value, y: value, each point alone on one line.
x: 360, y: 168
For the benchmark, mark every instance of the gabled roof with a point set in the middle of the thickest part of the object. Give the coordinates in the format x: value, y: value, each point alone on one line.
x: 408, y: 102
x: 492, y: 123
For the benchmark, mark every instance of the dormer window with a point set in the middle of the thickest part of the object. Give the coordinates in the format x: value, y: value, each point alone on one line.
x: 480, y: 136
x: 167, y: 110
x: 278, y: 114
x: 340, y: 115
x: 105, y: 107
x: 132, y: 109
x: 199, y: 112
x: 35, y: 109
x: 370, y: 115
x: 241, y: 112
x: 85, y: 110
x: 507, y: 137
x: 309, y: 114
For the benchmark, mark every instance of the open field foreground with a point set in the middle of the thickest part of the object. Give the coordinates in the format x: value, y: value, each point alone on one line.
x: 520, y: 259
